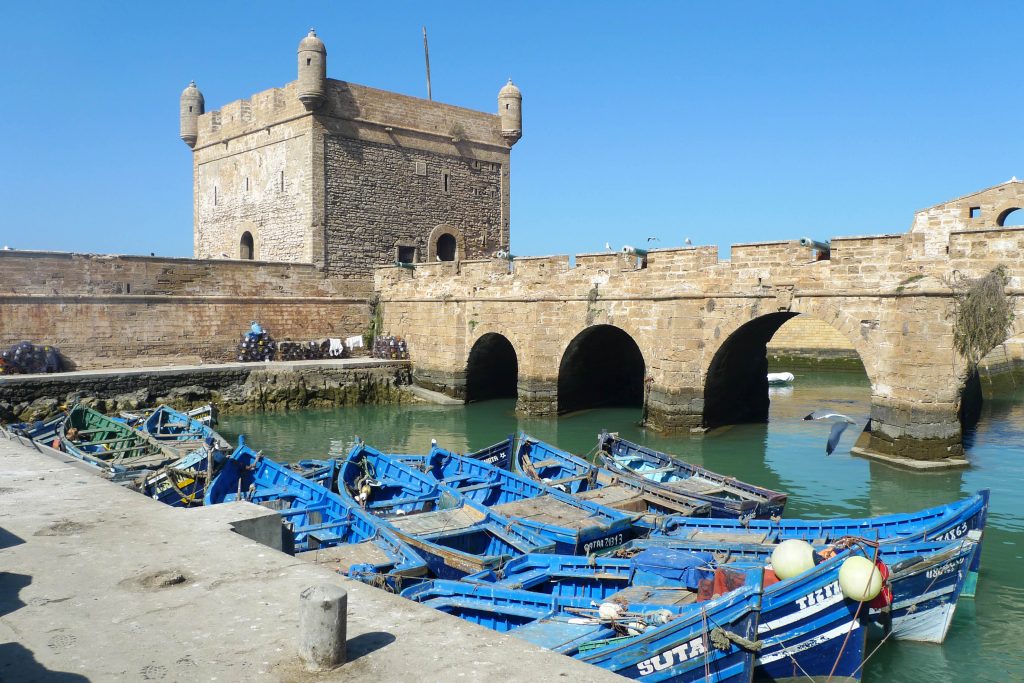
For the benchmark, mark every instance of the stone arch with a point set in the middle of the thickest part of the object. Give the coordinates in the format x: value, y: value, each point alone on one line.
x: 601, y: 366
x: 492, y: 368
x: 735, y: 376
x: 443, y: 236
x: 1004, y: 211
x: 845, y: 323
x: 246, y: 247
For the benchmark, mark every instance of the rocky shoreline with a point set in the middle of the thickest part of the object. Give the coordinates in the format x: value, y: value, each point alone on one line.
x: 235, y: 388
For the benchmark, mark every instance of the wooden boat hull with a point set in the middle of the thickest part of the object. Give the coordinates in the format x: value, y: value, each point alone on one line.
x: 804, y: 621
x: 576, y: 526
x: 559, y: 469
x: 673, y: 651
x: 455, y: 535
x: 109, y: 444
x: 948, y: 522
x: 319, y: 519
x: 926, y: 579
x: 728, y: 496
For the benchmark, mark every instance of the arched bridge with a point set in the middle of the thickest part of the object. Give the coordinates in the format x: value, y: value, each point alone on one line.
x: 683, y: 333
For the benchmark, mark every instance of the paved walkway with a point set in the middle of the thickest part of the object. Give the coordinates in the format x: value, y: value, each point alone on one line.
x: 99, y: 583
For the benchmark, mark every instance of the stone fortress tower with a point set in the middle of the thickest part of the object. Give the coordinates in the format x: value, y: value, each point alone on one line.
x: 348, y: 177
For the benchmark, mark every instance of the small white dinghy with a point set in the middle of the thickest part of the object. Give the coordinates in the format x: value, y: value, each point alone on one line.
x: 780, y: 377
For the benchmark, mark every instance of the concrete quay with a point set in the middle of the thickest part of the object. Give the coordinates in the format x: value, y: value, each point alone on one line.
x: 101, y: 584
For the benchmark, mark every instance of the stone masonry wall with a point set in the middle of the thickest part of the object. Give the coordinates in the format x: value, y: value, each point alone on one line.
x: 810, y: 338
x: 342, y: 186
x: 377, y: 199
x: 113, y: 311
x: 983, y: 210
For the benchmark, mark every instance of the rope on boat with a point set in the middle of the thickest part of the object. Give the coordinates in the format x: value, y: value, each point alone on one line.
x: 723, y: 640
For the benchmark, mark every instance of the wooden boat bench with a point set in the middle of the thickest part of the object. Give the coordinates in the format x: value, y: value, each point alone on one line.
x: 293, y: 512
x: 323, y: 527
x: 436, y: 522
x: 409, y: 500
x: 480, y: 487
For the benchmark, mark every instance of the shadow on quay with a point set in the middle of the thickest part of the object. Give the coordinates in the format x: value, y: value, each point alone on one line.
x: 18, y: 663
x: 365, y: 643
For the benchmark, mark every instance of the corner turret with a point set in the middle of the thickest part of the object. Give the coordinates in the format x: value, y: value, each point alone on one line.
x: 192, y: 106
x: 312, y: 71
x: 510, y: 109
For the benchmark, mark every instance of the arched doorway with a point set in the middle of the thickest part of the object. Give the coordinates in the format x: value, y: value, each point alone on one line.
x: 492, y: 370
x: 736, y: 386
x: 602, y: 366
x: 246, y: 250
x: 446, y: 247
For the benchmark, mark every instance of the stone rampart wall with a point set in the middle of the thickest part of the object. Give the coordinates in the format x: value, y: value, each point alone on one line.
x: 117, y: 311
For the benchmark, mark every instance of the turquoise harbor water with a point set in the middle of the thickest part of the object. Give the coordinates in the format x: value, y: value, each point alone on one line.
x: 787, y: 454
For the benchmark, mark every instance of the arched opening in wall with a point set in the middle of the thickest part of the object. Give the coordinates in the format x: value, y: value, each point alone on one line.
x: 811, y: 364
x: 602, y: 366
x: 1011, y: 218
x: 492, y: 370
x: 246, y: 250
x: 446, y: 247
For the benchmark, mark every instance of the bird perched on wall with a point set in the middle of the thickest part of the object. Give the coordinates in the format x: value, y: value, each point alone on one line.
x: 607, y: 246
x: 839, y: 424
x: 688, y: 242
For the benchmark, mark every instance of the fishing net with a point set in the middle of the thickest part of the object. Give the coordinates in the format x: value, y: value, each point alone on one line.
x: 26, y: 358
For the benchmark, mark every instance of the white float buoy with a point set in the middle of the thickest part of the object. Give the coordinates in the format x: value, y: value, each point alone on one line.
x: 859, y: 579
x: 792, y: 557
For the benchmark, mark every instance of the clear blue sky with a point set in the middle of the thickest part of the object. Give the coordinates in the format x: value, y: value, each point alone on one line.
x: 720, y: 121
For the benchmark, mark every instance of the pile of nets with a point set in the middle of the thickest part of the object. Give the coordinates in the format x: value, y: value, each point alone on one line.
x: 390, y: 347
x: 256, y: 345
x: 28, y: 359
x: 312, y: 350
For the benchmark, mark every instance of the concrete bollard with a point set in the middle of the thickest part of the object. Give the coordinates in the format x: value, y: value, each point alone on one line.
x: 323, y: 612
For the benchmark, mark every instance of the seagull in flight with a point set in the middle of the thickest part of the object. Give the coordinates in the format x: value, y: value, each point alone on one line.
x: 688, y: 242
x: 839, y: 424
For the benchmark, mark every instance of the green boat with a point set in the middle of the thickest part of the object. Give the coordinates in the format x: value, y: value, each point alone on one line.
x: 110, y: 444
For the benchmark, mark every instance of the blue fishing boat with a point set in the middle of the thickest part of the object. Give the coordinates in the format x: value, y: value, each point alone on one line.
x: 576, y: 526
x: 561, y: 470
x: 178, y: 429
x: 112, y: 446
x: 806, y: 624
x: 926, y: 578
x: 646, y: 636
x: 325, y: 526
x: 728, y: 496
x: 455, y: 535
x: 948, y: 522
x: 183, y: 482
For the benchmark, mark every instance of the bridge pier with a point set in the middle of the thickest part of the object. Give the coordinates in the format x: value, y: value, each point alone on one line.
x: 674, y: 410
x: 537, y: 397
x: 913, y: 434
